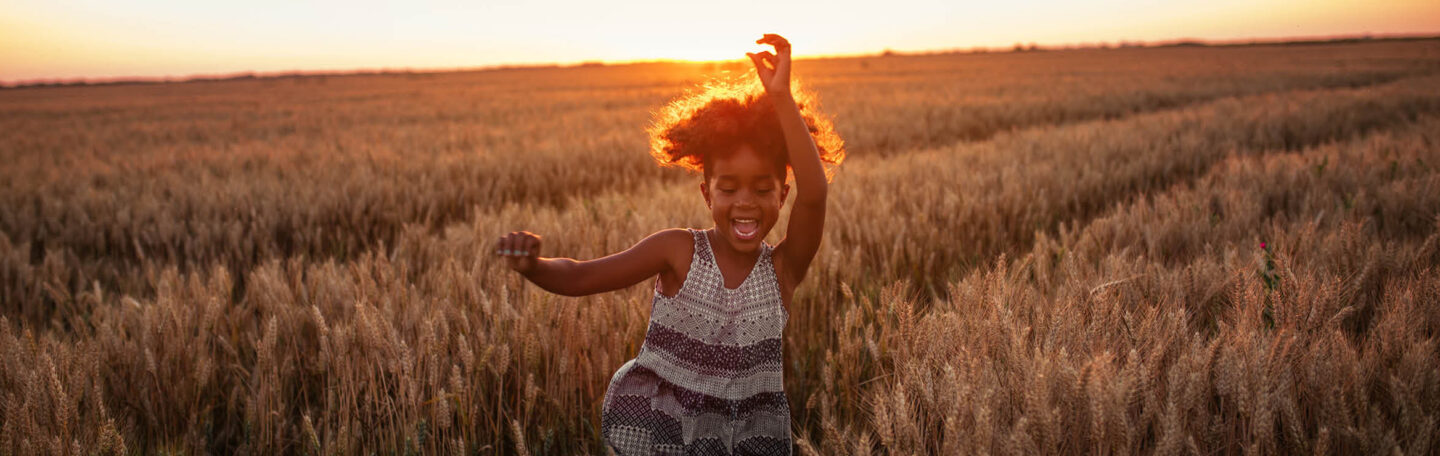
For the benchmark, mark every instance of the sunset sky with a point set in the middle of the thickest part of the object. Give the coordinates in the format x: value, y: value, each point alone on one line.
x: 69, y: 39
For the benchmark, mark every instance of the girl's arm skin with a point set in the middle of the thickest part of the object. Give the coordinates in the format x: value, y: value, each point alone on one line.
x: 807, y: 216
x: 666, y: 254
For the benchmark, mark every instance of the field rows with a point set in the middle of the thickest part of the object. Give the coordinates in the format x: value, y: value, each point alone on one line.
x: 1090, y: 283
x: 378, y: 154
x: 1164, y: 327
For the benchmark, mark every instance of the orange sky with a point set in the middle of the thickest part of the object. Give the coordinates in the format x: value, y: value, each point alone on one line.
x: 65, y: 39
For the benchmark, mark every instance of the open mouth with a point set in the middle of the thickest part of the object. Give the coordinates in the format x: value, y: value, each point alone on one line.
x: 745, y: 228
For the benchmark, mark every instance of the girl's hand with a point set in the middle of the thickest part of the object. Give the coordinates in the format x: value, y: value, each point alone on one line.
x: 520, y: 249
x: 774, y: 69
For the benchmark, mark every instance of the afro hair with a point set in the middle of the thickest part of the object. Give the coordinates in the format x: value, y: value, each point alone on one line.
x: 718, y: 117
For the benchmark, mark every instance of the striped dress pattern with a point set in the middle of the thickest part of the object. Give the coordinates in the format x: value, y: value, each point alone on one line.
x: 708, y: 379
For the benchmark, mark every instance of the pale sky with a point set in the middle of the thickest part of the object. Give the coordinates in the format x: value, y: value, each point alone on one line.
x: 94, y: 39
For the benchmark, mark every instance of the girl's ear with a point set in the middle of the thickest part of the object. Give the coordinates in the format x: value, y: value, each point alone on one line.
x: 705, y: 190
x: 784, y: 192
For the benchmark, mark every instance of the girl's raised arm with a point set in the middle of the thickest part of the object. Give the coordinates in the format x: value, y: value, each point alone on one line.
x: 654, y: 255
x: 807, y: 216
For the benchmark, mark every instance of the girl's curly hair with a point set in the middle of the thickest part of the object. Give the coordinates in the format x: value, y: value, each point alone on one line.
x: 718, y: 117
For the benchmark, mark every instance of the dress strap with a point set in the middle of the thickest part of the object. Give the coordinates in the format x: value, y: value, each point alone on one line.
x: 704, y: 255
x: 766, y: 268
x: 701, y: 240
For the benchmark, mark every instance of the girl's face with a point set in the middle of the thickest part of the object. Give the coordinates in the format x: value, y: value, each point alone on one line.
x: 744, y: 196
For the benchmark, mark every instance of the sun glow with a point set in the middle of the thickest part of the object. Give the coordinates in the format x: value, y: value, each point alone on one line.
x: 700, y: 48
x: 49, y: 39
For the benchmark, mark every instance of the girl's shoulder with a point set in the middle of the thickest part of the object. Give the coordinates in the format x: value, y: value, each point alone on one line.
x: 676, y: 244
x: 676, y: 237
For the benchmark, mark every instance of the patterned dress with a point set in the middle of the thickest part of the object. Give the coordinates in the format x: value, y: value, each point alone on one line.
x: 708, y: 376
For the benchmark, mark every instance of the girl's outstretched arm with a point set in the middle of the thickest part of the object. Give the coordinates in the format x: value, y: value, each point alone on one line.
x: 807, y: 216
x: 654, y: 255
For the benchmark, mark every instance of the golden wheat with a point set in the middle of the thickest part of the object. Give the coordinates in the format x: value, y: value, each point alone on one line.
x: 1033, y: 252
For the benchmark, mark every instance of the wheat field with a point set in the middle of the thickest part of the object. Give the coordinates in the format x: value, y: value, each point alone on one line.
x: 1053, y: 252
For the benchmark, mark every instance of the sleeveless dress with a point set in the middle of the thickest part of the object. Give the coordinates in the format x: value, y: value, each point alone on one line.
x: 708, y: 376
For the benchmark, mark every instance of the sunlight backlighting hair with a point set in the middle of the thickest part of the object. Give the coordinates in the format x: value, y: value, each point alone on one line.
x: 719, y: 116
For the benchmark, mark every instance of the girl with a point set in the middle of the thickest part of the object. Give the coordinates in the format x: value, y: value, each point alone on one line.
x: 707, y: 379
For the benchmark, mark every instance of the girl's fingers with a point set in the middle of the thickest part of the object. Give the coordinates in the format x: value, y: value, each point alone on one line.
x: 780, y: 43
x: 505, y: 246
x: 759, y: 63
x: 763, y: 60
x: 532, y: 246
x: 517, y: 245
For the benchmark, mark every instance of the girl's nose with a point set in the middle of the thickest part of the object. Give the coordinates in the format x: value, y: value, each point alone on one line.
x: 746, y: 200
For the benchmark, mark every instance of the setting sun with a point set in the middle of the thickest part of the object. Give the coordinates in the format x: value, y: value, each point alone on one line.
x: 157, y: 38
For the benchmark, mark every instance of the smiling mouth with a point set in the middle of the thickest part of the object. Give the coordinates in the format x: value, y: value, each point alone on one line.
x: 745, y: 228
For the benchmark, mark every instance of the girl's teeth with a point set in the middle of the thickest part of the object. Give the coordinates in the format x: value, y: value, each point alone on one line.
x: 745, y: 228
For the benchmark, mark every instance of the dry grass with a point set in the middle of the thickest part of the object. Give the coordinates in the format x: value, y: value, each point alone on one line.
x: 1034, y: 252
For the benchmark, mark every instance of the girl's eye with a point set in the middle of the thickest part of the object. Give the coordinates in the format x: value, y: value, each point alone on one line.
x: 764, y: 191
x: 727, y: 190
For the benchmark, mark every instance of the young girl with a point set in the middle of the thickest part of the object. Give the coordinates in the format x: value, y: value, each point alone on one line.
x: 707, y: 379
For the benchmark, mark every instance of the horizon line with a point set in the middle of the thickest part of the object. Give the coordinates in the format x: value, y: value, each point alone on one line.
x: 1016, y: 47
